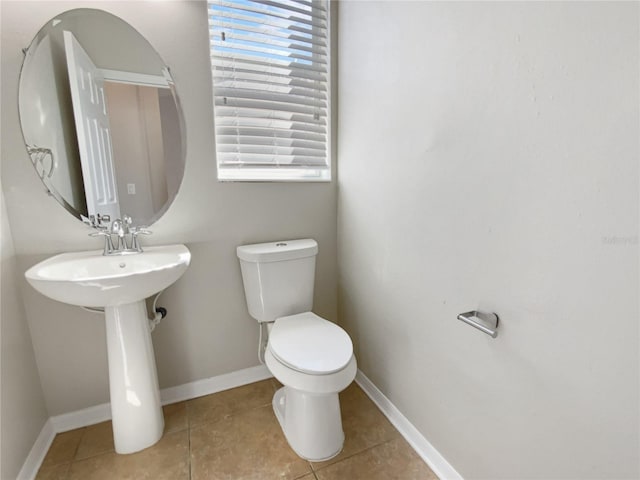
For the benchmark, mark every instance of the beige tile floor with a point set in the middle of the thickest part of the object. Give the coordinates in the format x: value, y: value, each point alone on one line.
x: 234, y: 435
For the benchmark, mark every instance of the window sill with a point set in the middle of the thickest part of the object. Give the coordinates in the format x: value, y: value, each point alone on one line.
x: 273, y: 175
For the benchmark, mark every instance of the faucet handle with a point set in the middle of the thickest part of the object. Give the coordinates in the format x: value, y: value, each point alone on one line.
x: 103, y: 231
x: 126, y: 223
x: 116, y: 227
x: 140, y: 231
x: 135, y: 231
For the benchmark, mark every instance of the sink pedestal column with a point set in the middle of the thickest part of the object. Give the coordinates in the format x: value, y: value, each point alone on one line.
x: 133, y: 380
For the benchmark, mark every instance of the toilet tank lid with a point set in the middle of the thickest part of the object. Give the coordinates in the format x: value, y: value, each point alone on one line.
x: 278, y: 251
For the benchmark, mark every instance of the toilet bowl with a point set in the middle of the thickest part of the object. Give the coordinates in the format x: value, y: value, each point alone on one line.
x: 312, y: 357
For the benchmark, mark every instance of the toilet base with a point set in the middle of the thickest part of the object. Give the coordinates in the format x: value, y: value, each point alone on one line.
x: 310, y: 422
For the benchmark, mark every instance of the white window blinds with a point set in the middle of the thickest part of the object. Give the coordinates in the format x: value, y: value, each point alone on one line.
x: 270, y: 67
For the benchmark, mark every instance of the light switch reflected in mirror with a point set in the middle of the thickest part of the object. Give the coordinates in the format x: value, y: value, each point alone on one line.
x: 101, y: 118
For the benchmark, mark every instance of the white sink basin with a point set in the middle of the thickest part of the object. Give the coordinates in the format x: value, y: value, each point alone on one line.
x: 91, y: 279
x: 120, y: 284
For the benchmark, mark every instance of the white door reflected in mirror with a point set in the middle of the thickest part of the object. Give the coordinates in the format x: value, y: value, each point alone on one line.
x: 92, y: 127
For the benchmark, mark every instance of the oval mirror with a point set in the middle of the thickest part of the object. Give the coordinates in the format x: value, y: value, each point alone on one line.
x: 101, y: 119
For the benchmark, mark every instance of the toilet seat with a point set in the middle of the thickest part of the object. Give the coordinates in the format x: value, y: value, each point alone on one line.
x: 313, y: 384
x: 310, y: 344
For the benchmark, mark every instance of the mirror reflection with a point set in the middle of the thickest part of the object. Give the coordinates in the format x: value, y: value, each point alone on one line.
x: 100, y: 118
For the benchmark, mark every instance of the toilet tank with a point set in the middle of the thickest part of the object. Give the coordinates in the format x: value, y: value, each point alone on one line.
x: 278, y: 277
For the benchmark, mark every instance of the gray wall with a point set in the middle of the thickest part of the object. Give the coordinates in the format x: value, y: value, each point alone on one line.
x: 22, y: 407
x: 208, y: 330
x: 488, y: 158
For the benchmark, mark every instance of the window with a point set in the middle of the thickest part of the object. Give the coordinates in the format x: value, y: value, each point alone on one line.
x: 270, y: 70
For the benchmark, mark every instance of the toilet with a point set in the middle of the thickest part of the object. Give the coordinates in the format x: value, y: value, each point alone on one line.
x: 312, y: 357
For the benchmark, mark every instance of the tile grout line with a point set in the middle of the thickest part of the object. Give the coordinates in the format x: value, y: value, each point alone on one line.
x: 187, y: 412
x: 68, y: 461
x: 227, y: 416
x: 189, y: 443
x: 352, y: 455
x: 75, y: 452
x: 76, y: 460
x: 314, y: 470
x: 97, y: 454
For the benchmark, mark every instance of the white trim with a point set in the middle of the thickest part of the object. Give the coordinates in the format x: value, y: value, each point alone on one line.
x: 132, y: 78
x: 37, y: 453
x: 81, y: 418
x: 102, y: 413
x: 274, y: 174
x: 443, y: 469
x: 215, y: 384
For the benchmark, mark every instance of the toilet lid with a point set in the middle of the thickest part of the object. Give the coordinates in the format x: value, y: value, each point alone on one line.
x: 310, y: 344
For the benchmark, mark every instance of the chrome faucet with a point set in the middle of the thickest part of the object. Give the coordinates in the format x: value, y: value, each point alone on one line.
x: 121, y: 229
x: 126, y: 223
x: 108, y: 243
x: 118, y: 231
x: 135, y: 244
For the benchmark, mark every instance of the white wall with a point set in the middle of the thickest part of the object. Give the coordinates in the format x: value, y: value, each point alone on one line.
x: 208, y: 330
x: 488, y: 158
x: 22, y: 407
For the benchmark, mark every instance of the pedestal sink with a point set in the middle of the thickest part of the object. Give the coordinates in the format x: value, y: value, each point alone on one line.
x: 120, y: 284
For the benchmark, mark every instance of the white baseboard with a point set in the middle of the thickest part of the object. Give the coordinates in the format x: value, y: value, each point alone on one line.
x: 187, y: 391
x: 101, y: 413
x: 39, y: 450
x: 215, y: 384
x: 81, y: 418
x: 443, y: 469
